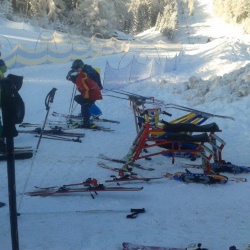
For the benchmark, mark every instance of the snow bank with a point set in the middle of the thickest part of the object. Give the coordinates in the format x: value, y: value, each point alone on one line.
x: 233, y: 86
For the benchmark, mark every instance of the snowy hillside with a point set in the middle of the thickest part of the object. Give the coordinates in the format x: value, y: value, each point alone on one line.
x: 212, y: 77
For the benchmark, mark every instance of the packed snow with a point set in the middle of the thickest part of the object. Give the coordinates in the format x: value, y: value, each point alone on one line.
x: 212, y: 77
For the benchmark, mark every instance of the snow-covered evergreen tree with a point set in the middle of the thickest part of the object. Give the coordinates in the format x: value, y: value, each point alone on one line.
x: 88, y: 17
x: 167, y: 19
x: 6, y: 9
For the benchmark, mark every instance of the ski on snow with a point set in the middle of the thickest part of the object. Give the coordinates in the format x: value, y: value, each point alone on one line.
x: 20, y: 154
x: 119, y: 170
x: 132, y: 164
x: 88, y: 182
x: 132, y: 246
x: 219, y: 167
x: 77, y: 117
x: 55, y: 131
x: 90, y: 187
x: 67, y: 126
x: 66, y: 191
x: 190, y: 177
x: 129, y: 177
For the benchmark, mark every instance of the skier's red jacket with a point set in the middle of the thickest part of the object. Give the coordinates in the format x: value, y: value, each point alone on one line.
x: 87, y: 87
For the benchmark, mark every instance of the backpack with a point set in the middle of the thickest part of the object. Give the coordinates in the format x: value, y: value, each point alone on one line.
x: 12, y: 105
x: 93, y: 74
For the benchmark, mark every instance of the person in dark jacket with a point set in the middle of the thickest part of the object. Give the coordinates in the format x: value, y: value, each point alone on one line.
x: 93, y: 74
x: 89, y: 89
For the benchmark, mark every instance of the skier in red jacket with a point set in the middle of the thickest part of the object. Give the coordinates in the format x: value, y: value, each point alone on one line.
x: 90, y: 93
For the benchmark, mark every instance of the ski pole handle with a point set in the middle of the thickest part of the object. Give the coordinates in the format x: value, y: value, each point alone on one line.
x: 50, y: 98
x: 137, y: 210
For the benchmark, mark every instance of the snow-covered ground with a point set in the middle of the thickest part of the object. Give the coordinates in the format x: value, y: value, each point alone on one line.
x: 212, y: 77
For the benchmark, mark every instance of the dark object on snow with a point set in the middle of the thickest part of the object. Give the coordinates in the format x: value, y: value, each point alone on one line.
x: 232, y: 248
x: 2, y: 204
x: 199, y: 247
x: 13, y: 109
x: 12, y: 113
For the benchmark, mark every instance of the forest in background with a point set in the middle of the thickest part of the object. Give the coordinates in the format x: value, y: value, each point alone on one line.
x: 90, y: 17
x: 234, y: 12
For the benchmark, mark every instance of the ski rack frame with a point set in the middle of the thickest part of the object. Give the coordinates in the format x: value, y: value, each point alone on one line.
x: 147, y: 138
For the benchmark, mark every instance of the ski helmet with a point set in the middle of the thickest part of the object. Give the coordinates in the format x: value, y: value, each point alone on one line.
x: 78, y: 63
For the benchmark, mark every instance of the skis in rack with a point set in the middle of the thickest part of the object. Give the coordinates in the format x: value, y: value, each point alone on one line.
x: 77, y: 117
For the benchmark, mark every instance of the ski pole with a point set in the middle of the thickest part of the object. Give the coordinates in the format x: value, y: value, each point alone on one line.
x: 72, y: 99
x: 133, y: 215
x: 49, y: 99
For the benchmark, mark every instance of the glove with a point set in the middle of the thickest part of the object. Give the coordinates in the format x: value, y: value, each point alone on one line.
x: 71, y: 73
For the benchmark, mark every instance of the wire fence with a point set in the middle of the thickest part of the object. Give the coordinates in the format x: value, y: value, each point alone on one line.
x: 54, y: 47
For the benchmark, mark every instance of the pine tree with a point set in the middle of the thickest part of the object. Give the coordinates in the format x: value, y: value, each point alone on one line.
x: 6, y: 9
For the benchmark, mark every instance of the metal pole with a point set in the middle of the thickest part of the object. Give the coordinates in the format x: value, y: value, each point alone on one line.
x: 12, y: 192
x: 8, y: 107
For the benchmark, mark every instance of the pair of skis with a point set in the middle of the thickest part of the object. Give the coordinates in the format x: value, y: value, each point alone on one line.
x: 89, y: 186
x: 68, y: 126
x: 20, y: 153
x: 132, y: 164
x: 58, y: 128
x: 133, y: 246
x: 55, y: 131
x: 186, y: 177
x: 136, y: 165
x: 221, y: 167
x: 77, y: 118
x: 55, y: 134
